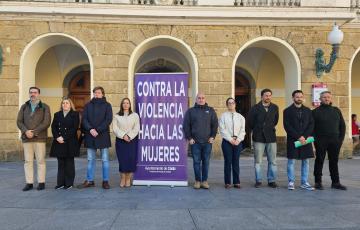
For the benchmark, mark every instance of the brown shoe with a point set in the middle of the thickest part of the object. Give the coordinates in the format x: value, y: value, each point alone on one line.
x: 228, y: 186
x: 205, y: 185
x: 237, y: 186
x: 197, y: 185
x: 86, y: 184
x: 105, y: 185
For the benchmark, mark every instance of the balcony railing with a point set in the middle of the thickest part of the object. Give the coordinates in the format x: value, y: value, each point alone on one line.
x: 243, y: 3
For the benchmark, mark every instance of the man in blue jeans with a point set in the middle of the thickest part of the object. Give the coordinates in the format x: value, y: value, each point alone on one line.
x: 262, y: 119
x: 200, y: 128
x: 299, y: 125
x: 96, y: 119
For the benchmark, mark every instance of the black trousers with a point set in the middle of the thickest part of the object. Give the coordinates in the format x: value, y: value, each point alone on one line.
x: 332, y: 146
x: 66, y: 171
x: 231, y: 161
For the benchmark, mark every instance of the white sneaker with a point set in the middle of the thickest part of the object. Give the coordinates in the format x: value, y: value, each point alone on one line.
x: 291, y: 185
x: 307, y: 186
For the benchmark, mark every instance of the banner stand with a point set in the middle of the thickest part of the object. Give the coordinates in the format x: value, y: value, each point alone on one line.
x: 160, y: 183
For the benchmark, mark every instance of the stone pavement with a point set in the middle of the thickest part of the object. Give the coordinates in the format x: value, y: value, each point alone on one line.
x: 182, y: 207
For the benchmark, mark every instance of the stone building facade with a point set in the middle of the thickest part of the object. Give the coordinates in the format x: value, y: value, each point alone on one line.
x: 227, y: 50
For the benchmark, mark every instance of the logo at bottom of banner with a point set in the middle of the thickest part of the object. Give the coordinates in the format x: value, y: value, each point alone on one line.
x: 161, y: 102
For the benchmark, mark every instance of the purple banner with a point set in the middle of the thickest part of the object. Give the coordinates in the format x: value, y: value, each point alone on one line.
x: 161, y: 102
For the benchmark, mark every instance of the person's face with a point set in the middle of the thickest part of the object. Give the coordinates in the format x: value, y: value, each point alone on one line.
x: 98, y: 94
x: 231, y: 105
x: 266, y: 97
x: 354, y: 118
x: 66, y: 106
x: 298, y: 98
x: 126, y: 105
x: 326, y: 98
x: 34, y: 94
x: 200, y: 99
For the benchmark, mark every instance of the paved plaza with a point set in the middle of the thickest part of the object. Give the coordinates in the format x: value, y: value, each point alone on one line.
x: 181, y: 207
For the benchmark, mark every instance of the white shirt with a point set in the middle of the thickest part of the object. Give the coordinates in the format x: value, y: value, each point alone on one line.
x: 126, y: 125
x: 232, y: 124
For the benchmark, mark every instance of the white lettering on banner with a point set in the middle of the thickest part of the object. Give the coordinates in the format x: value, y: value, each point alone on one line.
x: 159, y: 89
x: 161, y: 110
x: 160, y: 153
x: 156, y: 132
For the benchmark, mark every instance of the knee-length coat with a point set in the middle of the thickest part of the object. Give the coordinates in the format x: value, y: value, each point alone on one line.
x: 298, y: 122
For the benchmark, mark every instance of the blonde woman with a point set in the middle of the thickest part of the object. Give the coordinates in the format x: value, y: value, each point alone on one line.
x: 126, y: 126
x: 65, y: 145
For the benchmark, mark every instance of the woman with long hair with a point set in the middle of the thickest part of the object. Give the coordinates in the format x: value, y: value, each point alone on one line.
x: 65, y: 145
x: 126, y: 126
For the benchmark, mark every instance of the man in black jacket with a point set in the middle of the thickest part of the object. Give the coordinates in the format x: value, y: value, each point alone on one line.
x: 262, y: 119
x: 299, y: 125
x: 96, y: 119
x: 329, y: 133
x: 200, y: 128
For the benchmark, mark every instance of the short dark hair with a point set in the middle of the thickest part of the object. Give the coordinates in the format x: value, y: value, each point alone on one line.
x: 34, y: 87
x: 353, y: 116
x: 227, y: 100
x: 265, y: 91
x: 99, y: 88
x: 324, y: 92
x: 297, y: 91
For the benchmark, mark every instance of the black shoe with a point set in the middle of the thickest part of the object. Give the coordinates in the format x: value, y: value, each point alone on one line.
x: 338, y: 186
x: 68, y: 187
x: 59, y: 187
x: 41, y: 186
x: 28, y: 187
x: 257, y: 184
x: 272, y: 185
x: 319, y: 186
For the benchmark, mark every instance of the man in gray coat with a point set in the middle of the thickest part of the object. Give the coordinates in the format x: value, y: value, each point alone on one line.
x: 33, y: 120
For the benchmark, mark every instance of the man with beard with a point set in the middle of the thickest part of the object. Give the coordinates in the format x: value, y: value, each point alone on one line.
x: 329, y: 133
x: 33, y: 120
x: 299, y: 125
x: 262, y: 119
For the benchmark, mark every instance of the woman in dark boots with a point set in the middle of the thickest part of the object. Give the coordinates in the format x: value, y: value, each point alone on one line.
x: 65, y: 145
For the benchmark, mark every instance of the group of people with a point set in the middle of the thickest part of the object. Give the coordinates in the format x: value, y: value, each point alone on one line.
x: 34, y: 118
x: 325, y: 124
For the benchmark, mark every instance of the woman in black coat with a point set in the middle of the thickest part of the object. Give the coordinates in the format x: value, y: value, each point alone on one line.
x: 65, y: 145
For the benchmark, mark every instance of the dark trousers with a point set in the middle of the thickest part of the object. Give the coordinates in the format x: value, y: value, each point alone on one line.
x: 332, y: 146
x: 66, y: 171
x: 231, y: 161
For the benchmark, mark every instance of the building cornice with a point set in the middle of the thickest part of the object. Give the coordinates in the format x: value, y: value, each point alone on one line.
x: 173, y: 15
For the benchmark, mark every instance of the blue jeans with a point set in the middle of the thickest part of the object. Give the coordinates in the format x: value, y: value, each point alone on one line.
x: 304, y: 170
x: 91, y: 156
x: 201, y: 158
x: 231, y: 161
x: 270, y: 150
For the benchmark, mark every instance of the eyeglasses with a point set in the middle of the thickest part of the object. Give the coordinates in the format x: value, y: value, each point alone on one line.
x: 32, y: 92
x: 231, y: 102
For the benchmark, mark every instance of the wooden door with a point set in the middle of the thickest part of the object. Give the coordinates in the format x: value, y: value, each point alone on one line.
x: 79, y: 90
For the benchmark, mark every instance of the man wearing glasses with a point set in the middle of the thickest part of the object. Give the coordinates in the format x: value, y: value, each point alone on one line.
x: 200, y: 127
x: 33, y: 120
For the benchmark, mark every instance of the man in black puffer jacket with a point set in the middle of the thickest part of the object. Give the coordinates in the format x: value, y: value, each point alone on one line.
x: 329, y: 133
x: 200, y: 128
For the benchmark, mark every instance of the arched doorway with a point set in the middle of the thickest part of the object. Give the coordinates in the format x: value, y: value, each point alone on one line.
x: 266, y: 62
x: 46, y: 62
x: 354, y: 86
x: 164, y: 54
